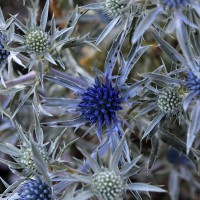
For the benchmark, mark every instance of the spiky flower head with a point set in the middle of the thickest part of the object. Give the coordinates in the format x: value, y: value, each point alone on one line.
x: 37, y: 41
x: 3, y: 53
x: 174, y: 4
x: 108, y: 185
x: 115, y: 8
x: 99, y: 104
x: 168, y: 101
x: 27, y: 160
x: 193, y: 83
x: 112, y: 181
x: 35, y: 189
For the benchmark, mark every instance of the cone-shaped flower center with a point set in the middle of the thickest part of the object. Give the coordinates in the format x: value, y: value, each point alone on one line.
x: 27, y: 158
x: 168, y: 101
x: 3, y: 53
x: 114, y: 7
x: 108, y: 185
x: 171, y: 4
x: 193, y: 83
x: 99, y: 104
x: 35, y: 189
x: 37, y: 41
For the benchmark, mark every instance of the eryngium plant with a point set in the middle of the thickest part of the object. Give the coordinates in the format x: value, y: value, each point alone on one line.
x: 42, y: 44
x: 190, y: 69
x: 175, y: 11
x: 103, y: 102
x: 110, y: 182
x: 31, y: 152
x: 167, y: 103
x: 110, y: 104
x: 120, y: 11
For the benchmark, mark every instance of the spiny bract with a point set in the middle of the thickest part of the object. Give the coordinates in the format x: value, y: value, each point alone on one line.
x: 99, y: 104
x: 168, y: 101
x: 108, y: 185
x: 37, y: 41
x: 35, y: 190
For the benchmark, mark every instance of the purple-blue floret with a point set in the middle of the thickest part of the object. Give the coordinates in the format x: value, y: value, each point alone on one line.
x: 99, y: 104
x: 175, y: 3
x: 35, y: 189
x: 193, y: 83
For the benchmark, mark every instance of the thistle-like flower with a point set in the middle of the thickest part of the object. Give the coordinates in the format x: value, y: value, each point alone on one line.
x: 175, y: 12
x: 34, y: 158
x: 31, y: 152
x: 111, y: 182
x: 190, y: 69
x: 46, y: 45
x: 108, y: 185
x: 120, y: 11
x: 101, y: 103
x: 38, y: 41
x: 35, y: 189
x: 166, y: 98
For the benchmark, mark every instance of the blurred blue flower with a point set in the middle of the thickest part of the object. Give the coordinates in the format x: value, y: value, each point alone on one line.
x: 193, y: 83
x: 177, y: 158
x: 175, y: 4
x: 3, y: 52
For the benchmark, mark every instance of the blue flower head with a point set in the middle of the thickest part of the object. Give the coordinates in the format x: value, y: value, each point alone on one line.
x: 193, y: 83
x: 100, y: 102
x: 3, y: 53
x: 35, y: 189
x: 174, y: 4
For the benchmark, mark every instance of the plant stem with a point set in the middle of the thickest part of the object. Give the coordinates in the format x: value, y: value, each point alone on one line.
x: 22, y: 79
